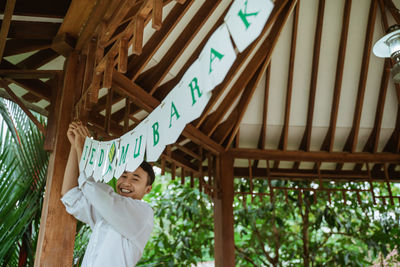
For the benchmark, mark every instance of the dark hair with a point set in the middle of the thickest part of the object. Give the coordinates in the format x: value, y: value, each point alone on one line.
x: 150, y: 172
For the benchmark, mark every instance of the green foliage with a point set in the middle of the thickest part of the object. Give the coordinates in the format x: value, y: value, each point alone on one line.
x: 293, y: 232
x: 183, y: 227
x: 23, y: 169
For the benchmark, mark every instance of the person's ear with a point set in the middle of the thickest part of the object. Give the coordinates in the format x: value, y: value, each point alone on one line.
x: 148, y: 189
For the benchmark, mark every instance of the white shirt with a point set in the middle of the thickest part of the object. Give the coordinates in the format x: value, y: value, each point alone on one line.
x: 121, y: 226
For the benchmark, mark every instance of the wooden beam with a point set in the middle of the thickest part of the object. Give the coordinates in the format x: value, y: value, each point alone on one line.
x: 314, y: 156
x: 16, y: 46
x: 20, y: 103
x: 151, y: 79
x: 28, y: 74
x: 212, y: 121
x: 245, y: 99
x: 92, y: 18
x: 224, y: 248
x: 157, y: 14
x: 33, y: 30
x: 285, y: 130
x: 351, y: 142
x: 147, y: 102
x: 312, y: 175
x: 263, y: 131
x: 164, y: 89
x: 76, y: 17
x: 330, y: 136
x: 38, y: 59
x: 44, y: 8
x: 137, y: 63
x: 5, y: 25
x: 306, y: 140
x: 57, y: 228
x: 29, y: 105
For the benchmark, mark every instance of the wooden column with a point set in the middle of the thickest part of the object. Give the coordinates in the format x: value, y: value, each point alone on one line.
x: 224, y: 248
x: 57, y: 228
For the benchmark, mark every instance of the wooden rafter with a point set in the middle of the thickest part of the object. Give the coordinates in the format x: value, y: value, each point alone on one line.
x: 149, y: 103
x: 312, y: 175
x: 136, y: 63
x: 327, y: 144
x: 17, y: 46
x: 5, y: 25
x: 306, y: 140
x: 151, y: 79
x: 246, y: 97
x: 263, y: 131
x: 240, y: 60
x: 285, y: 130
x: 34, y: 86
x: 267, y: 45
x: 33, y: 30
x: 351, y: 142
x: 38, y: 59
x: 20, y: 103
x: 314, y: 156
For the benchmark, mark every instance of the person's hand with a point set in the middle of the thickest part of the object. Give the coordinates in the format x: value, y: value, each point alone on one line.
x: 80, y: 133
x: 71, y: 134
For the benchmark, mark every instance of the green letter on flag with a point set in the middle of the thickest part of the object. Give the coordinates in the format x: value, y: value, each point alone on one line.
x: 137, y: 153
x: 213, y: 54
x: 244, y: 15
x: 174, y: 111
x: 156, y: 136
x: 101, y: 157
x: 194, y: 86
x: 123, y: 154
x: 91, y: 158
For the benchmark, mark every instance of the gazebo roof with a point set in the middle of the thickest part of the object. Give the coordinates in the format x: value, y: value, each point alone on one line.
x: 307, y: 99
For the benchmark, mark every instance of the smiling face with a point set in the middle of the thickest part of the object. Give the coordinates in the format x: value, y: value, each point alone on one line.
x: 133, y: 184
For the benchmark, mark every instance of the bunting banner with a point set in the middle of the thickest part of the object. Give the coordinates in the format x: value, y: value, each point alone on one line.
x: 243, y: 23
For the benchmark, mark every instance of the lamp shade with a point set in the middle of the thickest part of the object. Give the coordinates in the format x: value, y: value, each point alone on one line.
x: 388, y: 44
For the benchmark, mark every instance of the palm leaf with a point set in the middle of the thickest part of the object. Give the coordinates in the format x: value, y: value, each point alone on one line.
x: 23, y: 169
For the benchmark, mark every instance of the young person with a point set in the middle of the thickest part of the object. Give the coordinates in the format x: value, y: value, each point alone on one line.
x: 121, y: 222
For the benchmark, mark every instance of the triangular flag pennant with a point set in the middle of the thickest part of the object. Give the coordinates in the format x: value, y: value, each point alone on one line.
x: 101, y: 163
x: 157, y: 121
x: 137, y: 141
x: 124, y: 148
x: 85, y: 153
x: 192, y: 92
x: 92, y: 158
x: 111, y: 160
x: 216, y: 58
x: 176, y: 105
x: 246, y: 19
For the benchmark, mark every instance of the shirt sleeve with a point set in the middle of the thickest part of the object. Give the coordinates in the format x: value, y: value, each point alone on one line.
x: 132, y: 218
x: 78, y: 206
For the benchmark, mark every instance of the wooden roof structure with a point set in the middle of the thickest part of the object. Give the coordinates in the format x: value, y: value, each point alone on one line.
x: 306, y: 101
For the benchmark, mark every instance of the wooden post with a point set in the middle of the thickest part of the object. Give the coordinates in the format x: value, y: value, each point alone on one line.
x: 224, y: 248
x: 57, y: 228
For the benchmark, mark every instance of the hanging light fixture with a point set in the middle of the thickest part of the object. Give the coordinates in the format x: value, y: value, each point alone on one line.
x: 389, y: 46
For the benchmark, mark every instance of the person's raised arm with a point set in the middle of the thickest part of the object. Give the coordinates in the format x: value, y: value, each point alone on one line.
x: 76, y: 135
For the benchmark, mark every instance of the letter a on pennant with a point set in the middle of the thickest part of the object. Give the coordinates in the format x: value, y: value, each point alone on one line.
x: 246, y: 20
x: 216, y: 58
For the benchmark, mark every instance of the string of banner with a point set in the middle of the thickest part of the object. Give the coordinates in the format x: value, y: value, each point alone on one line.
x: 186, y: 101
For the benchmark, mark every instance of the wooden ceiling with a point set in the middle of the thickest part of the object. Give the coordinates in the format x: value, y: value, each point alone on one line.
x: 306, y: 101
